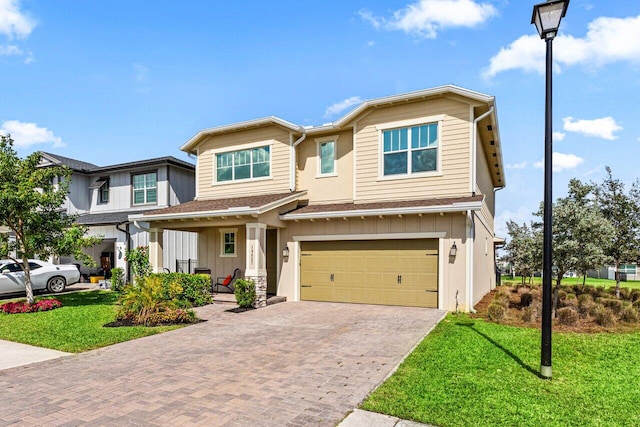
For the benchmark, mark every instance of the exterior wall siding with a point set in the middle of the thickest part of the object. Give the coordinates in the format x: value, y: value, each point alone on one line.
x: 280, y: 164
x: 484, y: 185
x: 326, y: 189
x: 484, y: 277
x: 454, y: 152
x: 182, y: 186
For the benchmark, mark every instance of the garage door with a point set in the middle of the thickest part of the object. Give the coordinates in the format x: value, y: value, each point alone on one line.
x: 390, y: 272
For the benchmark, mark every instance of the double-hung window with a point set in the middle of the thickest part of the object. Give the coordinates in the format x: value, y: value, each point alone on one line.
x: 228, y: 242
x: 243, y: 164
x: 103, y: 192
x: 145, y: 188
x: 410, y: 150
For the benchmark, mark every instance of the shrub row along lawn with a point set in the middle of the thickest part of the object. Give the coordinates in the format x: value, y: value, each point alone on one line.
x: 631, y: 284
x: 470, y: 372
x: 76, y: 326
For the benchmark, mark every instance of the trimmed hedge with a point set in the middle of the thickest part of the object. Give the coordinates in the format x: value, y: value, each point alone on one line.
x: 196, y: 288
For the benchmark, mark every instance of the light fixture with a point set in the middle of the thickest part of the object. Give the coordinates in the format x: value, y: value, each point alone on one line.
x: 454, y: 250
x: 547, y: 17
x: 285, y: 252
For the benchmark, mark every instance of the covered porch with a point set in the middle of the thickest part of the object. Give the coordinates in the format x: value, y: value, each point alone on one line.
x: 242, y: 233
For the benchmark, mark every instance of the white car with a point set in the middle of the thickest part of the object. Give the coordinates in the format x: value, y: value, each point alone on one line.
x: 44, y: 276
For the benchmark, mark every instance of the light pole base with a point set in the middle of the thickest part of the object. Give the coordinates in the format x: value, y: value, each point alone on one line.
x: 545, y: 372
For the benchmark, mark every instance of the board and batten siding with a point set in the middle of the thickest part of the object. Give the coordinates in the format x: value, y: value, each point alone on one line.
x: 182, y: 185
x: 280, y: 164
x: 455, y: 134
x: 120, y: 190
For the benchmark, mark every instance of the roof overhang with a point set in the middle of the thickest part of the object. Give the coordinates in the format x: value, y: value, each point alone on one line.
x: 379, y: 209
x: 234, y: 127
x: 218, y: 213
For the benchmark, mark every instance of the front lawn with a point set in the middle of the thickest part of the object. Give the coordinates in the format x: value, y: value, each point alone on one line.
x: 75, y: 327
x: 591, y: 281
x: 470, y: 372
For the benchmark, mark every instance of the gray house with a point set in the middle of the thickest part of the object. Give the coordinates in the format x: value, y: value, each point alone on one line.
x: 103, y: 197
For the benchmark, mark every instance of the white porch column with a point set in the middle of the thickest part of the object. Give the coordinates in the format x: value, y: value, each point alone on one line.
x: 156, y: 241
x: 256, y: 260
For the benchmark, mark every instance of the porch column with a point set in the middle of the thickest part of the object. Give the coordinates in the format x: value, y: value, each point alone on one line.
x: 256, y: 260
x: 156, y: 241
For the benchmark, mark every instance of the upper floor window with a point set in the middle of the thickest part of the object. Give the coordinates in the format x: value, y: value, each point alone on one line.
x: 410, y: 150
x: 102, y: 185
x: 327, y: 156
x: 243, y: 164
x: 145, y: 188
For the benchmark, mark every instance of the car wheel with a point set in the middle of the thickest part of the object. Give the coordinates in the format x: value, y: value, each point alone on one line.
x: 56, y: 284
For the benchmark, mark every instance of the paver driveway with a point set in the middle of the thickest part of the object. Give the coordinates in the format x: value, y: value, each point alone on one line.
x: 290, y: 364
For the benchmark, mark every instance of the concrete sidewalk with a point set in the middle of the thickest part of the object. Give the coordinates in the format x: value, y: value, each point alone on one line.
x: 360, y: 418
x: 13, y: 354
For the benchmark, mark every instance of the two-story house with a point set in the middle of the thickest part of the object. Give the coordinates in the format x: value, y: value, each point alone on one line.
x: 103, y: 197
x: 391, y: 204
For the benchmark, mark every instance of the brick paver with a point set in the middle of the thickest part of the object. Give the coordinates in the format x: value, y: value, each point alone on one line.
x: 289, y: 364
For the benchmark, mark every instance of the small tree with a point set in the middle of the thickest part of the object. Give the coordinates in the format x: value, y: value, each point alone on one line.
x: 622, y: 210
x: 138, y: 260
x: 523, y: 250
x: 30, y: 207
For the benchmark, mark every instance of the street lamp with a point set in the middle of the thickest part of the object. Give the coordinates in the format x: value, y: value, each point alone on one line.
x: 547, y: 17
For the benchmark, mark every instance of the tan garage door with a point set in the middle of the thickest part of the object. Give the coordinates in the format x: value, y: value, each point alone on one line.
x: 391, y: 272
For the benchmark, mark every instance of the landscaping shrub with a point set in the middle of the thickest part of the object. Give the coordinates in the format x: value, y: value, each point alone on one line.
x: 196, y: 288
x: 171, y: 317
x: 138, y: 259
x: 629, y: 315
x: 562, y: 295
x: 614, y: 304
x: 567, y: 316
x: 23, y: 307
x: 536, y: 294
x: 624, y: 293
x: 529, y: 314
x: 245, y: 292
x: 595, y: 309
x: 502, y: 298
x: 605, y: 317
x: 636, y: 304
x: 634, y: 295
x: 526, y: 299
x: 582, y: 298
x: 570, y: 301
x: 117, y: 279
x: 147, y: 297
x: 496, y: 311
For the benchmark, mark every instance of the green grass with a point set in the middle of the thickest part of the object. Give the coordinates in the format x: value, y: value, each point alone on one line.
x: 632, y: 284
x: 470, y: 372
x: 76, y: 326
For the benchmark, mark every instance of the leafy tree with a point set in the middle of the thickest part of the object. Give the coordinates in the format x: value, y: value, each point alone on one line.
x: 623, y: 212
x: 30, y: 208
x: 523, y: 250
x: 138, y: 260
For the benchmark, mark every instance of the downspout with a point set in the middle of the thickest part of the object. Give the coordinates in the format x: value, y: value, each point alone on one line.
x: 126, y: 232
x: 474, y: 149
x: 471, y: 239
x: 294, y: 160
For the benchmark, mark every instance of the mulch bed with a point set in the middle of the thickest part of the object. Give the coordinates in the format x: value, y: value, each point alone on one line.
x: 240, y: 309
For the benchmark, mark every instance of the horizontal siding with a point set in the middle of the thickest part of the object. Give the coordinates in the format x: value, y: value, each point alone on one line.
x: 484, y: 185
x: 454, y: 150
x: 279, y: 164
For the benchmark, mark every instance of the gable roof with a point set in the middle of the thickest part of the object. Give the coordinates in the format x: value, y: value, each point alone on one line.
x: 87, y: 168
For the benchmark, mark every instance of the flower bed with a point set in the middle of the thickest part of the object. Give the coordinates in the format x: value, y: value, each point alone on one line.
x: 23, y: 307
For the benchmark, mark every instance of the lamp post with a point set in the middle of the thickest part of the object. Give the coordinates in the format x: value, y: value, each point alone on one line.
x: 547, y: 17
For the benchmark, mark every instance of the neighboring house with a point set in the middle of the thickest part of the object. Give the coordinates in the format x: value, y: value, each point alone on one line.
x: 627, y: 272
x: 391, y: 204
x: 104, y: 196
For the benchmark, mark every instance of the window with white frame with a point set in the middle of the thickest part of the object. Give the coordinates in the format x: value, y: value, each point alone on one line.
x: 627, y: 268
x: 228, y: 242
x: 145, y: 188
x: 410, y: 150
x: 327, y: 154
x: 243, y: 164
x: 103, y: 192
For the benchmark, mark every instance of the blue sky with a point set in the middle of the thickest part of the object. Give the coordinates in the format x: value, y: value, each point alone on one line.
x: 116, y: 81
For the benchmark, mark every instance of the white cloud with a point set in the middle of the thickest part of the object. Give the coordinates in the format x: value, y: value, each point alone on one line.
x: 14, y: 22
x: 517, y: 166
x: 9, y: 50
x: 340, y: 106
x: 558, y: 136
x: 426, y: 17
x: 371, y: 43
x: 607, y: 40
x: 599, y: 128
x: 562, y: 161
x: 25, y: 135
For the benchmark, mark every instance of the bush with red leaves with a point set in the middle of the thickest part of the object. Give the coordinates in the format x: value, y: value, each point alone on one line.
x: 23, y: 307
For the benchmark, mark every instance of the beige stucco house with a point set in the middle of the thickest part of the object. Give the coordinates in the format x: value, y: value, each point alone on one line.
x: 393, y: 203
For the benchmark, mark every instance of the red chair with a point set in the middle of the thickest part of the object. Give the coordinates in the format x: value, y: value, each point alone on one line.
x: 226, y: 282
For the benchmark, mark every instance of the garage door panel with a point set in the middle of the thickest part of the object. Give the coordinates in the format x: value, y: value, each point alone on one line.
x: 394, y: 272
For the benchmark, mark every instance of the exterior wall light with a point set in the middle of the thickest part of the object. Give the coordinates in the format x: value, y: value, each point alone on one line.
x: 285, y: 253
x: 453, y: 251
